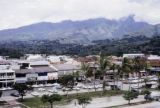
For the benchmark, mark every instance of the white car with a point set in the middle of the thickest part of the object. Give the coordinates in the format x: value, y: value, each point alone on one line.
x: 80, y: 85
x: 3, y: 88
x: 53, y: 90
x: 35, y: 85
x: 41, y: 89
x: 154, y: 79
x: 85, y: 87
x: 76, y: 88
x: 40, y: 85
x: 35, y: 94
x: 155, y: 95
x: 48, y: 85
x: 91, y: 87
x: 56, y: 85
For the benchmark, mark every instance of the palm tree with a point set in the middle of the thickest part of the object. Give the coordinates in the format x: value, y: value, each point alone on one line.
x: 158, y: 74
x: 0, y: 94
x: 127, y: 68
x: 119, y: 74
x: 138, y: 65
x: 85, y: 68
x: 103, y: 66
x: 114, y: 67
x: 94, y: 75
x: 145, y: 81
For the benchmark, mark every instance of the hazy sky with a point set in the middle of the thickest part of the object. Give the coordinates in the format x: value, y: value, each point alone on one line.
x: 15, y: 13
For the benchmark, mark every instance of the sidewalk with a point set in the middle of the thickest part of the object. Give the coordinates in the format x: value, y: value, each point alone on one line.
x: 148, y: 105
x: 104, y: 102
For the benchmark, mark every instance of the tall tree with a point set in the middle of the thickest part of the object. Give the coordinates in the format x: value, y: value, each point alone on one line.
x: 85, y: 68
x: 146, y: 94
x: 0, y: 94
x: 114, y: 67
x: 22, y: 89
x: 103, y: 66
x: 119, y: 74
x: 51, y: 98
x: 67, y: 81
x: 139, y: 65
x: 158, y: 74
x: 127, y: 68
x: 130, y: 95
x: 83, y: 100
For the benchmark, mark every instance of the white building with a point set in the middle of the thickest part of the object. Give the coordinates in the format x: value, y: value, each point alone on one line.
x: 34, y: 57
x: 153, y: 57
x: 7, y: 77
x: 133, y: 55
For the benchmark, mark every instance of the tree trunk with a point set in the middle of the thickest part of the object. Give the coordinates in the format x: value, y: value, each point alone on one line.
x: 83, y: 106
x: 129, y: 102
x: 129, y: 85
x: 104, y: 83
x: 77, y: 92
x: 94, y: 83
x: 51, y: 105
x: 21, y: 97
x: 123, y: 77
x: 138, y: 80
x: 114, y: 78
x: 67, y: 93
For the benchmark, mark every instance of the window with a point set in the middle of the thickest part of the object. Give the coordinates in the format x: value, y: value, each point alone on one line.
x: 42, y: 74
x: 20, y: 75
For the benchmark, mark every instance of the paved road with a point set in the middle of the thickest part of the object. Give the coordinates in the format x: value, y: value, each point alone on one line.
x: 148, y: 105
x: 103, y: 102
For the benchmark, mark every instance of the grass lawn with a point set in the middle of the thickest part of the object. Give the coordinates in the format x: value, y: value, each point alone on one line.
x: 36, y: 101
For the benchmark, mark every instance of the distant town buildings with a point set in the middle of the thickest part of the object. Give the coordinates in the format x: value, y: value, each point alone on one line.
x: 41, y: 69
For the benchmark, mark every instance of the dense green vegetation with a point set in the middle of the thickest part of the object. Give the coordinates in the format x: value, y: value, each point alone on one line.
x: 136, y: 44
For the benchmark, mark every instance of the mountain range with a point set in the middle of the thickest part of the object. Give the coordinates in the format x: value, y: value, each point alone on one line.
x: 81, y: 32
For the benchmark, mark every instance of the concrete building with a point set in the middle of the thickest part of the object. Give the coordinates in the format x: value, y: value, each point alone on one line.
x: 7, y: 76
x: 154, y: 61
x: 36, y: 75
x: 133, y: 55
x: 64, y: 69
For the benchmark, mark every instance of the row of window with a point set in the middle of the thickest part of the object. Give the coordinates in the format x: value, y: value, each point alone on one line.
x: 24, y: 75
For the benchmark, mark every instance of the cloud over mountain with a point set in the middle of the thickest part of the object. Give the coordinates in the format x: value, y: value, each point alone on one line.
x: 16, y: 13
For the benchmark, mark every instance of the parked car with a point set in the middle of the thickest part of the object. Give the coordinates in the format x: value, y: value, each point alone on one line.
x: 56, y: 85
x: 35, y: 94
x: 114, y: 87
x: 53, y: 90
x: 15, y: 94
x: 76, y: 88
x: 41, y: 89
x: 155, y: 95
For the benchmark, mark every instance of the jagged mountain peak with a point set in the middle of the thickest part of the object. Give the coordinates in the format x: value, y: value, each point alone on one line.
x: 84, y: 31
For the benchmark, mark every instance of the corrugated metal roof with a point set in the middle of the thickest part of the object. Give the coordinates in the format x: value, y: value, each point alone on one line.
x: 66, y: 67
x: 36, y: 70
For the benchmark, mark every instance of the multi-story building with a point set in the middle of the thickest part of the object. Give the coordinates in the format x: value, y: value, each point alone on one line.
x: 7, y: 77
x: 36, y: 75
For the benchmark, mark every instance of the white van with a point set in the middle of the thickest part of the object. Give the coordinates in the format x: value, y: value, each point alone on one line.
x: 155, y: 95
